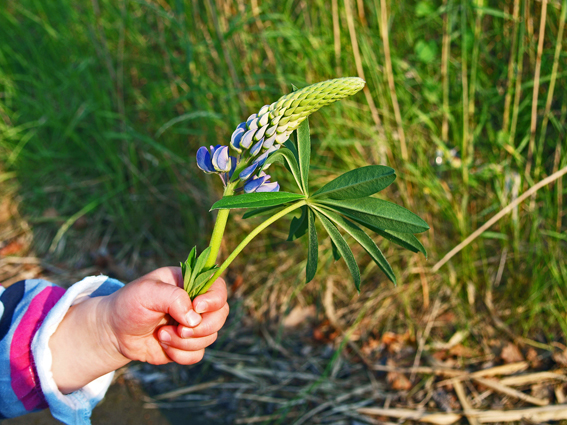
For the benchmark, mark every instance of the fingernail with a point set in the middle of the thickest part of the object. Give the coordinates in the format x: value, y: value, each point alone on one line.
x: 165, y: 336
x: 201, y: 306
x: 164, y: 345
x: 193, y: 319
x: 187, y: 332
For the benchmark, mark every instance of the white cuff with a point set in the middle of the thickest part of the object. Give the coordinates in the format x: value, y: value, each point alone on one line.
x: 74, y: 408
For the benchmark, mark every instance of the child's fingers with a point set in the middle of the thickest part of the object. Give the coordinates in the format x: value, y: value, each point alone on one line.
x: 184, y: 357
x: 166, y: 298
x: 168, y: 336
x: 211, y: 323
x: 213, y: 299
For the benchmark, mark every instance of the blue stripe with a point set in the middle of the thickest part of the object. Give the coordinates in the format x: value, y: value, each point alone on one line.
x: 109, y: 286
x: 10, y: 298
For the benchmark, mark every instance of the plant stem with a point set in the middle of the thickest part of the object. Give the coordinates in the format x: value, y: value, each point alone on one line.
x: 218, y: 231
x: 247, y: 240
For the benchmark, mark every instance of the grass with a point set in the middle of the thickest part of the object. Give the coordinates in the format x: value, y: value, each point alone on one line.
x: 104, y: 104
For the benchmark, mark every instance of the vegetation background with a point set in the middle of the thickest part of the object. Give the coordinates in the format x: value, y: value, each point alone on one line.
x: 103, y: 105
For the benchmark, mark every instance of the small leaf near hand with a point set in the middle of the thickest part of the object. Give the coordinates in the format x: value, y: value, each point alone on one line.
x: 256, y: 200
x: 343, y: 248
x: 358, y: 183
x: 378, y: 213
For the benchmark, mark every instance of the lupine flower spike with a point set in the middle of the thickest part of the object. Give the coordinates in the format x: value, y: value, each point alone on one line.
x: 344, y: 203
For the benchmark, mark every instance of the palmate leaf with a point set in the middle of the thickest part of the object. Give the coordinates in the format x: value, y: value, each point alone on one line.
x: 342, y: 247
x: 378, y: 213
x: 199, y: 264
x: 313, y: 248
x: 187, y: 267
x: 288, y: 155
x: 357, y: 183
x: 304, y: 153
x: 364, y: 240
x: 256, y: 200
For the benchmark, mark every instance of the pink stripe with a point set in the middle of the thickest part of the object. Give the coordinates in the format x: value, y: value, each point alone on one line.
x: 25, y: 381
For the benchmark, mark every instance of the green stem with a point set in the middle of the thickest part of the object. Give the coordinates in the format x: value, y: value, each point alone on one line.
x: 218, y: 231
x: 247, y: 240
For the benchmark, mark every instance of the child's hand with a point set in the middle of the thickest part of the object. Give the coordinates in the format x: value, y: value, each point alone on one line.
x: 143, y: 314
x: 102, y: 334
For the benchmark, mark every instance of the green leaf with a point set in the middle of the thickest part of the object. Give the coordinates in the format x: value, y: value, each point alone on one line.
x: 336, y: 253
x: 304, y: 151
x: 379, y: 213
x: 358, y: 183
x: 256, y: 200
x: 343, y: 248
x: 313, y: 249
x: 291, y: 146
x: 261, y: 211
x: 289, y: 157
x: 364, y: 240
x: 202, y: 279
x: 298, y: 226
x: 406, y: 240
x: 187, y: 268
x: 199, y: 264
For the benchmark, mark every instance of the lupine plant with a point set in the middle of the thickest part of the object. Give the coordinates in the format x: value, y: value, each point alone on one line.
x: 342, y: 204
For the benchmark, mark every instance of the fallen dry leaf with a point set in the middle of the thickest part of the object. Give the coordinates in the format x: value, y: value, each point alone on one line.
x: 12, y: 248
x: 511, y: 354
x: 460, y: 350
x: 398, y: 381
x: 298, y: 316
x: 560, y: 358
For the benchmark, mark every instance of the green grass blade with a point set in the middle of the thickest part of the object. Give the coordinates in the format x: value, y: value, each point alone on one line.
x: 342, y: 247
x: 313, y: 249
x: 358, y: 183
x: 256, y: 200
x: 379, y: 213
x: 364, y: 240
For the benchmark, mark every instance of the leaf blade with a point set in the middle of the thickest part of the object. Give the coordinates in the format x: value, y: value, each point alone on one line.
x: 298, y: 226
x: 313, y: 248
x: 364, y: 240
x: 342, y: 247
x: 358, y: 183
x: 378, y: 213
x: 304, y: 152
x: 291, y: 160
x: 256, y: 200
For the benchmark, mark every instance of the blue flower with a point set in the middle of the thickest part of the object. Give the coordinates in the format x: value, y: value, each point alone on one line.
x: 237, y: 136
x: 221, y: 161
x: 204, y: 161
x: 261, y: 184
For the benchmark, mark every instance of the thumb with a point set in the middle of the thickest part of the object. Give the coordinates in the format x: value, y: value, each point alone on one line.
x: 165, y: 298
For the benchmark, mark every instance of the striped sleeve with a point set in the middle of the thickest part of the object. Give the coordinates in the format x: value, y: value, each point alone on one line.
x: 30, y: 312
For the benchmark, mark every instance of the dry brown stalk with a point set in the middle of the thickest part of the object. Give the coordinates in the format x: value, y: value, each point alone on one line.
x: 532, y: 378
x: 467, y: 408
x: 497, y: 217
x: 496, y: 386
x: 534, y: 415
x: 360, y: 70
x: 390, y: 75
x: 533, y: 125
x: 507, y: 369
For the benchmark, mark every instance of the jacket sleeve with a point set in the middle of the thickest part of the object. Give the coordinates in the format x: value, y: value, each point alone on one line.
x: 30, y: 311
